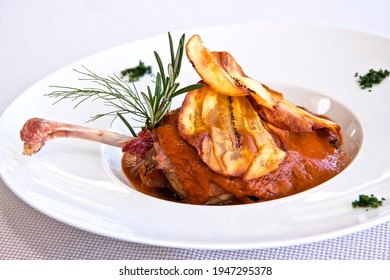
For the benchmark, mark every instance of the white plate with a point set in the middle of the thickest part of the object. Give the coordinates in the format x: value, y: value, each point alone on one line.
x: 77, y: 182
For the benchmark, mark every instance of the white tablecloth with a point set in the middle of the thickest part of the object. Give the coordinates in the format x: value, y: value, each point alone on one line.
x: 38, y: 37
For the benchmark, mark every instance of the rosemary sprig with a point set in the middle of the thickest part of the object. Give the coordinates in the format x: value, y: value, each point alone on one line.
x: 123, y: 98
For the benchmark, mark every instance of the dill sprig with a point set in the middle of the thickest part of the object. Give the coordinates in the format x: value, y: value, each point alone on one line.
x: 123, y: 98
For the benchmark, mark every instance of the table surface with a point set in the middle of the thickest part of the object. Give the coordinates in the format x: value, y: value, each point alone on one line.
x: 39, y: 37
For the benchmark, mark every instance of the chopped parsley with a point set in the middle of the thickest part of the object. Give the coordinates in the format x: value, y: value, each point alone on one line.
x: 135, y: 73
x: 372, y: 77
x: 367, y: 201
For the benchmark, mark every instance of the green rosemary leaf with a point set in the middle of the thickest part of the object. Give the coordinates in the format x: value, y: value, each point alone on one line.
x: 127, y: 124
x: 187, y: 89
x: 172, y: 51
x: 160, y: 67
x: 179, y: 57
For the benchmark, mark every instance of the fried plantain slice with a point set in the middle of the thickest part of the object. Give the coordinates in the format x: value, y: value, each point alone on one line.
x: 228, y: 134
x: 295, y: 119
x: 224, y: 75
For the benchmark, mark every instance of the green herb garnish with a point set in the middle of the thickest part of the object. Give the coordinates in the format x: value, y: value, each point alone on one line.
x: 147, y: 107
x: 372, y: 77
x: 135, y: 73
x: 367, y: 201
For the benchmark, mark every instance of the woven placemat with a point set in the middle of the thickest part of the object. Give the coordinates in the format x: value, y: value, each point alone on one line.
x: 27, y: 234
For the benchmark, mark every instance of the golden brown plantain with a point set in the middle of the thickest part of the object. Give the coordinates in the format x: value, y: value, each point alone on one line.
x: 224, y: 75
x: 228, y: 134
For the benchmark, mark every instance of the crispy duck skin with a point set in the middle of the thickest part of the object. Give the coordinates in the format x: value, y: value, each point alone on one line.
x: 37, y: 131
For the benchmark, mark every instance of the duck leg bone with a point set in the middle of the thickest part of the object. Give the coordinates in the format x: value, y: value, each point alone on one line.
x: 36, y: 132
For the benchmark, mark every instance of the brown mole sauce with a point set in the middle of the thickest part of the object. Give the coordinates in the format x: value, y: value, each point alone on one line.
x: 310, y: 161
